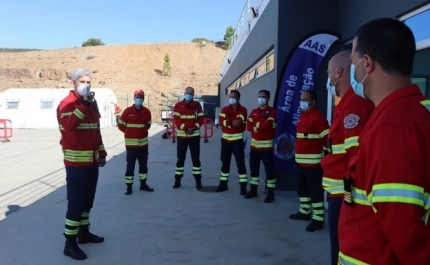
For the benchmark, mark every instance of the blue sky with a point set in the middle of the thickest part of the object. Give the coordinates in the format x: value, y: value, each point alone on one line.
x: 55, y: 24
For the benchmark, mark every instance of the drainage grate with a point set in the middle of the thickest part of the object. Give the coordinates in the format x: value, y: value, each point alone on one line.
x: 208, y: 188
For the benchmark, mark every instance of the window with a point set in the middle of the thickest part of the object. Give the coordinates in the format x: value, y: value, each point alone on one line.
x: 261, y: 69
x: 270, y: 62
x: 46, y: 104
x: 12, y: 104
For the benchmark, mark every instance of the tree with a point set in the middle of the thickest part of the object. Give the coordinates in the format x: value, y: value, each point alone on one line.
x: 92, y: 42
x: 166, y: 67
x: 228, y: 34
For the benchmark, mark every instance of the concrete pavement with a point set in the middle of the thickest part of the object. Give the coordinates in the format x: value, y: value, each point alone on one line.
x: 168, y: 226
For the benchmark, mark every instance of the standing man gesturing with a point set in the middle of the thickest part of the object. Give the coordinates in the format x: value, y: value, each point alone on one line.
x: 79, y: 123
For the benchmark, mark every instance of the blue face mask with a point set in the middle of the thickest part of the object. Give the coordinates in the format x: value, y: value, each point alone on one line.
x: 138, y: 101
x: 331, y: 88
x: 358, y: 87
x: 188, y: 97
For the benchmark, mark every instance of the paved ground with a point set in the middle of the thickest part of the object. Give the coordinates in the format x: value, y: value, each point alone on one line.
x: 168, y: 226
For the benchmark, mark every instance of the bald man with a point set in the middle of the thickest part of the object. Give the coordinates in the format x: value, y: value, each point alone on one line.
x: 350, y: 117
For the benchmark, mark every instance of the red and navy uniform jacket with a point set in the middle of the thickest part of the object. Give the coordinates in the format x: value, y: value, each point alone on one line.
x: 350, y: 117
x: 390, y: 183
x: 229, y: 114
x: 80, y: 132
x: 262, y: 125
x: 188, y: 115
x: 311, y: 139
x: 135, y: 125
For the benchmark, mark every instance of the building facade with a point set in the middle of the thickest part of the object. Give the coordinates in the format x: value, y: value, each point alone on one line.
x: 268, y: 32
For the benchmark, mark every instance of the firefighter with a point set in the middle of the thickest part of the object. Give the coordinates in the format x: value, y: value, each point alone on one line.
x: 135, y: 122
x: 79, y: 123
x: 232, y: 119
x: 188, y: 118
x: 385, y: 216
x: 262, y: 125
x: 312, y: 130
x: 350, y: 117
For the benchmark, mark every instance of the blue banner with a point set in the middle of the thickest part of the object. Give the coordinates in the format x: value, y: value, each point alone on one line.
x: 300, y: 75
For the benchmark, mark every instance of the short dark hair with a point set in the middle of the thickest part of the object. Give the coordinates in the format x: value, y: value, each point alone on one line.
x: 390, y: 43
x: 265, y: 91
x: 313, y: 94
x: 235, y: 91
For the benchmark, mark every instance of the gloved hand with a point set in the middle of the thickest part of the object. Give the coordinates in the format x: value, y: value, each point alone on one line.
x: 101, y: 161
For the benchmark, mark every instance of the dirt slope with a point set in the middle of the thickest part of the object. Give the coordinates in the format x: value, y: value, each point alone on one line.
x: 123, y: 68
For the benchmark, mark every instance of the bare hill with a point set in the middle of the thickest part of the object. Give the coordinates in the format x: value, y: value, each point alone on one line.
x: 123, y: 68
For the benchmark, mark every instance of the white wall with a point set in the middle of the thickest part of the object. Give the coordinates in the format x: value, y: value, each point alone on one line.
x: 30, y: 115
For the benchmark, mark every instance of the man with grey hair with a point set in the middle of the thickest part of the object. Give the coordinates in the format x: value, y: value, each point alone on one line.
x: 79, y: 123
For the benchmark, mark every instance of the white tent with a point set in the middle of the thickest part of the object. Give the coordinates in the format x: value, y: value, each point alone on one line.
x: 36, y: 108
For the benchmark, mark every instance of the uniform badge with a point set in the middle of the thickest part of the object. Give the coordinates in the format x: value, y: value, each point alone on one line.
x: 351, y: 121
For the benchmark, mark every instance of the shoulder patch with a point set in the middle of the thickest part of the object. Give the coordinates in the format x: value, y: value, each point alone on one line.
x: 351, y: 121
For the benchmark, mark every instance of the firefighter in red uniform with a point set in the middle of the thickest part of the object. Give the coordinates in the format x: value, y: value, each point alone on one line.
x: 232, y: 120
x: 385, y: 216
x: 350, y: 117
x: 188, y: 118
x: 79, y: 123
x: 135, y: 122
x: 311, y: 144
x: 262, y: 125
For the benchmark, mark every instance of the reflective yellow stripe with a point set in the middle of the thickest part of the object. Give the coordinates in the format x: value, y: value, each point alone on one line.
x: 201, y: 114
x: 78, y: 156
x: 187, y: 117
x: 271, y: 183
x: 232, y: 136
x: 241, y: 117
x: 257, y: 125
x: 250, y: 120
x: 262, y: 143
x: 135, y: 125
x: 79, y: 114
x: 324, y: 133
x: 359, y: 196
x: 101, y: 148
x: 176, y: 114
x: 136, y: 141
x: 182, y: 126
x: 65, y: 114
x: 72, y: 223
x: 61, y: 127
x: 197, y: 125
x: 309, y: 158
x: 308, y: 136
x: 225, y: 123
x: 122, y: 122
x: 345, y: 260
x: 351, y: 142
x: 183, y: 134
x: 426, y: 103
x: 398, y: 192
x: 333, y: 186
x: 222, y: 115
x: 88, y: 126
x: 338, y: 149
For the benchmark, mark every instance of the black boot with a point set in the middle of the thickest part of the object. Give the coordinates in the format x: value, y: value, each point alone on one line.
x: 84, y: 236
x: 177, y: 182
x: 198, y: 182
x: 72, y: 250
x: 129, y: 189
x: 300, y: 216
x: 222, y: 186
x: 243, y: 188
x: 315, y: 226
x: 270, y: 195
x: 144, y: 186
x: 252, y: 193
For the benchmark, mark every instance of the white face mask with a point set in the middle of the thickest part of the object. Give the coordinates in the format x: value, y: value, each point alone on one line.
x: 304, y: 105
x: 262, y: 101
x: 232, y: 101
x: 83, y: 89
